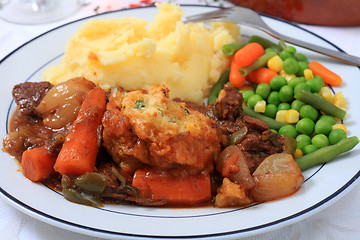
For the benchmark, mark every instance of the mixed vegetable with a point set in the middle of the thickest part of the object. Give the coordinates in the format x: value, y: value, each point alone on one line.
x: 270, y: 116
x: 291, y: 95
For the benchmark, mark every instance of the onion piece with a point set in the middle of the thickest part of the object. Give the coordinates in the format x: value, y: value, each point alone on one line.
x: 276, y: 177
x: 62, y: 103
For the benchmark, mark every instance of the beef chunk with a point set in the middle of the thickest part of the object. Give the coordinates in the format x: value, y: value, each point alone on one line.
x: 229, y: 104
x: 28, y: 95
x: 255, y: 124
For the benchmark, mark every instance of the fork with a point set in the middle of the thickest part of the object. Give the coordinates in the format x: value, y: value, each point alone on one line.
x: 250, y: 18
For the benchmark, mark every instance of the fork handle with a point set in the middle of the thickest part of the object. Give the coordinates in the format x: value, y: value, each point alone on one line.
x: 350, y: 59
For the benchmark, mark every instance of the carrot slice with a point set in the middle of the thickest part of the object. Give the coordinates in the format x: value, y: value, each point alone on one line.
x: 328, y: 76
x: 261, y: 75
x: 248, y: 54
x: 79, y: 152
x: 176, y: 190
x: 37, y: 164
x: 235, y: 77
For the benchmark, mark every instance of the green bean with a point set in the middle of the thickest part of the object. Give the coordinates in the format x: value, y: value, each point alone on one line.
x: 73, y: 195
x: 66, y: 181
x: 224, y: 78
x: 282, y: 45
x: 326, y: 154
x: 238, y: 135
x: 258, y: 63
x: 273, y: 124
x: 265, y: 43
x: 91, y: 182
x: 118, y: 175
x: 231, y: 48
x: 320, y: 103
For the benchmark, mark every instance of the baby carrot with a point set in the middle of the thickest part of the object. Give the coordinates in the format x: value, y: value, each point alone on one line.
x: 176, y: 190
x: 261, y: 75
x: 328, y: 76
x: 79, y: 152
x: 235, y: 78
x: 37, y: 164
x: 248, y: 54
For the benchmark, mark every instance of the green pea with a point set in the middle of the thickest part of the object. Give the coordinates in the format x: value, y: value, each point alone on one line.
x: 309, y: 149
x: 295, y: 81
x: 320, y: 140
x: 308, y: 111
x: 271, y: 110
x: 305, y: 126
x: 253, y: 100
x: 263, y: 89
x: 314, y: 84
x: 286, y: 94
x: 323, y: 126
x: 301, y: 57
x: 328, y: 118
x: 273, y: 130
x: 302, y: 86
x: 277, y: 82
x: 290, y: 49
x: 289, y: 130
x: 273, y: 98
x: 336, y: 135
x: 302, y: 66
x: 297, y: 104
x: 291, y: 66
x: 302, y: 141
x: 247, y: 94
x: 283, y: 106
x: 269, y: 50
x: 318, y: 78
x: 285, y: 55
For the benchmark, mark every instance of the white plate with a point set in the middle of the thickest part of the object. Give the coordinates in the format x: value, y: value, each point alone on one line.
x: 323, y: 184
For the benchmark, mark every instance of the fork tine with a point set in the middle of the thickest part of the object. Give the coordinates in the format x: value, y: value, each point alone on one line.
x: 206, y: 16
x: 209, y: 15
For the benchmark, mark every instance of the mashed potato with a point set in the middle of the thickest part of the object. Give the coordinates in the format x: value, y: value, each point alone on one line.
x: 134, y: 54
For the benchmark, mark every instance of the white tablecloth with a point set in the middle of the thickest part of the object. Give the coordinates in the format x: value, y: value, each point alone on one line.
x: 341, y: 220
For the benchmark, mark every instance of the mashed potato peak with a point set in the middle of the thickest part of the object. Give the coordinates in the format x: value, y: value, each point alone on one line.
x: 134, y: 54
